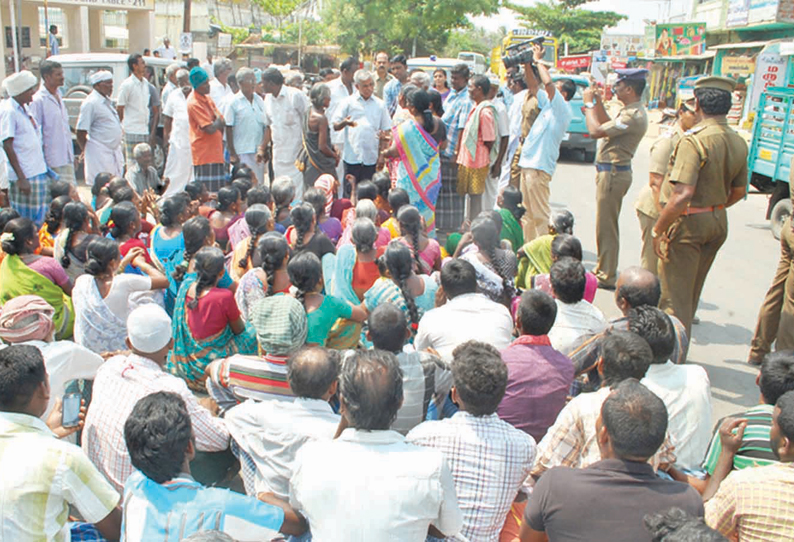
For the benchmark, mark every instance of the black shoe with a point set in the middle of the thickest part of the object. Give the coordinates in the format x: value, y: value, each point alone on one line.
x: 605, y: 286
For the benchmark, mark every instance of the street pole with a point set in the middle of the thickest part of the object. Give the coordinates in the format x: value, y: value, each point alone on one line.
x: 14, y: 28
x: 47, y: 49
x: 186, y: 17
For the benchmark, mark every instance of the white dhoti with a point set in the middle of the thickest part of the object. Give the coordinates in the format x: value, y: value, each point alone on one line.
x: 288, y: 169
x: 490, y: 193
x: 504, y: 179
x: 249, y: 160
x: 178, y: 168
x: 99, y: 158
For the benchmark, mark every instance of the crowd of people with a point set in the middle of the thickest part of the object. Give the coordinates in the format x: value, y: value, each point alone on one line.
x: 355, y: 306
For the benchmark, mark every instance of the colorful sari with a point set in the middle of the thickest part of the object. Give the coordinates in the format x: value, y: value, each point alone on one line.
x: 419, y: 170
x: 96, y: 327
x: 166, y: 255
x: 18, y: 279
x: 536, y: 262
x: 338, y: 274
x: 189, y: 357
x: 511, y: 230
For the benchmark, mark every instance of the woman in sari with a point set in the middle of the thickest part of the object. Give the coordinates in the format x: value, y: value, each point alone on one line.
x: 426, y: 251
x: 320, y: 156
x: 566, y: 246
x: 168, y: 242
x: 511, y: 210
x: 104, y: 298
x: 534, y: 258
x: 495, y: 266
x: 207, y: 323
x: 22, y: 272
x: 269, y: 273
x: 348, y: 276
x: 197, y: 234
x: 71, y: 242
x: 260, y: 221
x: 419, y: 168
x: 52, y: 225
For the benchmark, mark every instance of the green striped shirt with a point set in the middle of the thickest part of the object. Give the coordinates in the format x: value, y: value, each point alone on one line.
x: 755, y: 449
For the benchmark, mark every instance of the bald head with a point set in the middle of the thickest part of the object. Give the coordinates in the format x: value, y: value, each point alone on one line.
x: 637, y: 287
x: 371, y: 386
x: 313, y: 371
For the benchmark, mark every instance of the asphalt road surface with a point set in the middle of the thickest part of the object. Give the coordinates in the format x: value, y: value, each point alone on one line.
x: 734, y: 288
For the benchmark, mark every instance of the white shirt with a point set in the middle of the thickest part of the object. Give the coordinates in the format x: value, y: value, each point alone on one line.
x: 542, y: 146
x: 50, y: 113
x: 272, y: 432
x: 166, y: 52
x: 176, y: 108
x: 574, y: 321
x: 100, y: 119
x: 16, y: 122
x: 134, y: 97
x: 167, y: 90
x: 461, y: 319
x: 502, y: 128
x: 247, y: 119
x: 489, y: 460
x: 686, y: 392
x: 285, y: 115
x: 339, y: 94
x: 361, y: 140
x: 371, y: 486
x: 220, y: 93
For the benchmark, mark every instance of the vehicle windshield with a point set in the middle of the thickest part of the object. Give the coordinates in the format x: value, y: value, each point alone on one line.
x: 74, y: 76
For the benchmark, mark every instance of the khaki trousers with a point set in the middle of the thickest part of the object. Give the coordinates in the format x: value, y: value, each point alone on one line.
x: 648, y: 258
x: 535, y: 192
x: 611, y: 187
x: 515, y: 169
x: 769, y: 315
x: 694, y: 243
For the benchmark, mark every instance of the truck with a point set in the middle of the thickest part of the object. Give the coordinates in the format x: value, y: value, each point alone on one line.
x: 771, y: 153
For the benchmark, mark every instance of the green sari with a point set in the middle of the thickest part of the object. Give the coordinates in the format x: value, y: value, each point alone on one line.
x: 536, y: 262
x: 511, y: 230
x: 18, y: 279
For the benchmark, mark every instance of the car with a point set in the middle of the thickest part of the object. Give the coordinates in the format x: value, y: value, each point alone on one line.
x: 577, y: 137
x: 77, y: 68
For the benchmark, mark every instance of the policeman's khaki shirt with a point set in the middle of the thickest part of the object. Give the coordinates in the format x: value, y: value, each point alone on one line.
x: 661, y: 151
x: 623, y: 135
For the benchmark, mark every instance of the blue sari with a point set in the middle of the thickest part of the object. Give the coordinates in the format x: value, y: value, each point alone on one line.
x: 419, y: 169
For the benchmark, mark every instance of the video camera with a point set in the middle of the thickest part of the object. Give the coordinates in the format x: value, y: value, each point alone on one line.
x: 521, y: 53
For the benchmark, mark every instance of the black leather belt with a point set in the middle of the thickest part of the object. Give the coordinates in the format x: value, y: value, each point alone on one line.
x: 601, y: 167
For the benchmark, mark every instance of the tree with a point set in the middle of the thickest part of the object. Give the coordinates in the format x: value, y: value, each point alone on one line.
x: 365, y: 26
x: 477, y: 40
x: 278, y: 9
x: 580, y: 28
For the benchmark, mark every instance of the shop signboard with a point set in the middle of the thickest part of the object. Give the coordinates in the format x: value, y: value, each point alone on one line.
x: 770, y: 71
x: 574, y: 62
x: 107, y: 4
x: 762, y: 10
x: 738, y: 11
x: 785, y: 12
x: 678, y: 39
x: 738, y: 66
x: 622, y: 44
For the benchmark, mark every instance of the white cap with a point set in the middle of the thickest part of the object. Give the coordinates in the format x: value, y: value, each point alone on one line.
x: 20, y: 82
x: 98, y: 77
x: 149, y: 328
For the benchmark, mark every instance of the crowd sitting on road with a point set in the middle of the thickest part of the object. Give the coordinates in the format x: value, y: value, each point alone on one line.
x: 351, y: 314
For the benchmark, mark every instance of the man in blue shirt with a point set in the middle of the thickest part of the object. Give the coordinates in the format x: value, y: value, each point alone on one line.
x: 161, y: 499
x: 542, y: 146
x: 399, y: 69
x: 53, y: 37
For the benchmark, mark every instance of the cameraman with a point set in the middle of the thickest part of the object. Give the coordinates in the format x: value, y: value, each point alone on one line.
x: 542, y: 146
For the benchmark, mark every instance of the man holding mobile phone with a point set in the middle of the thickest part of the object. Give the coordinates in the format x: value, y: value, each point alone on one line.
x: 40, y: 475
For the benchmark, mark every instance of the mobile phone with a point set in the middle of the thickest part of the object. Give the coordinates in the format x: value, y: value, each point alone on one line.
x: 71, y: 410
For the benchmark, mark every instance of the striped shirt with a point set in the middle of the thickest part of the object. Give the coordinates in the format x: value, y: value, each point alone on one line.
x: 456, y: 112
x: 180, y: 507
x: 755, y: 505
x: 40, y: 476
x: 755, y: 450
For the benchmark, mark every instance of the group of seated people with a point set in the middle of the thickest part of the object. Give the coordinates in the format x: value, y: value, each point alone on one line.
x: 364, y: 381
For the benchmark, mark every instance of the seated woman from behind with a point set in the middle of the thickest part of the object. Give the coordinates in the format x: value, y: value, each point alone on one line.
x: 534, y: 258
x: 228, y: 212
x: 562, y: 246
x: 104, y: 299
x: 495, y: 267
x: 322, y: 311
x: 260, y: 221
x: 22, y: 272
x: 73, y: 239
x: 168, y: 242
x: 415, y: 238
x: 197, y: 234
x: 268, y: 275
x: 53, y: 223
x: 207, y: 323
x: 303, y: 234
x: 329, y: 225
x: 365, y: 209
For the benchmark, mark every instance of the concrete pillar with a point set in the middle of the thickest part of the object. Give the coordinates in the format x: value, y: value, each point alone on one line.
x: 3, y: 53
x: 95, y: 23
x: 79, y: 31
x: 85, y: 34
x: 141, y: 30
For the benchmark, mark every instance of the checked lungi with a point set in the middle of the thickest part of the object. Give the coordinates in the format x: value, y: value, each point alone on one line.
x: 450, y: 206
x: 130, y: 140
x: 213, y: 176
x: 35, y: 204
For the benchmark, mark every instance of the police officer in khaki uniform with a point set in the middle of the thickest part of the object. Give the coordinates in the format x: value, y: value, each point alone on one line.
x: 621, y: 137
x: 529, y: 112
x: 708, y: 174
x: 647, y: 205
x: 775, y: 315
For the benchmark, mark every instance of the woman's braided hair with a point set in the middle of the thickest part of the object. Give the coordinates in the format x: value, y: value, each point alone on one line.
x: 55, y: 213
x: 196, y: 231
x: 486, y: 237
x: 271, y: 251
x: 302, y: 217
x: 258, y: 219
x: 305, y: 272
x: 74, y: 216
x: 400, y: 263
x: 410, y: 221
x: 208, y: 264
x: 364, y: 235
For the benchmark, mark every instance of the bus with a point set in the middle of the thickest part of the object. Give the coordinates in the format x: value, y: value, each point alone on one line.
x: 520, y: 35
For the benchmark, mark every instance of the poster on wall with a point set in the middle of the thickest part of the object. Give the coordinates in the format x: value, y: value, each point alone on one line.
x: 770, y: 71
x: 762, y: 10
x: 785, y: 11
x: 572, y: 63
x: 622, y: 44
x: 738, y: 11
x: 666, y: 40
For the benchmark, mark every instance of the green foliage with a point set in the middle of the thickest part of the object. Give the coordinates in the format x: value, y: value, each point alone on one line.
x: 238, y: 34
x: 365, y: 26
x: 477, y: 40
x: 277, y: 8
x: 580, y: 28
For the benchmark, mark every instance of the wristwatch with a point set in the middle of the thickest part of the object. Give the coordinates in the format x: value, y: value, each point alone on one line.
x: 589, y: 105
x: 654, y: 235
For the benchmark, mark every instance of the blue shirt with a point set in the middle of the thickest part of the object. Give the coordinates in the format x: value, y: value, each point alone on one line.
x: 456, y: 111
x: 390, y: 94
x: 361, y: 140
x: 180, y: 507
x: 542, y: 145
x: 54, y: 47
x: 247, y: 120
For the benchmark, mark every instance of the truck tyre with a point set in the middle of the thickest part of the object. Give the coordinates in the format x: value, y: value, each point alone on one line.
x: 589, y: 157
x: 780, y: 212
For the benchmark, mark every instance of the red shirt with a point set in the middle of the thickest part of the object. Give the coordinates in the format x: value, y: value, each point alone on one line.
x: 215, y: 310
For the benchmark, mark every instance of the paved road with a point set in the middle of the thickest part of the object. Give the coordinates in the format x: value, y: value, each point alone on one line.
x: 733, y: 291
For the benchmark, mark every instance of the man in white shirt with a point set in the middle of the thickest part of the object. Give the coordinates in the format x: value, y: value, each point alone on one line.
x: 220, y: 91
x: 245, y: 123
x: 576, y: 319
x: 99, y: 130
x: 271, y: 433
x: 499, y: 148
x: 132, y: 104
x: 285, y: 116
x: 541, y: 148
x: 49, y: 111
x: 165, y: 50
x: 176, y: 131
x: 364, y: 118
x: 170, y: 84
x: 125, y: 379
x: 370, y: 483
x: 489, y: 458
x: 519, y: 89
x: 341, y: 88
x: 461, y: 318
x: 21, y: 137
x: 685, y: 389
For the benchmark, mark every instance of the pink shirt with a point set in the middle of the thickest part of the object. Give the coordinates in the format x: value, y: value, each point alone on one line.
x: 487, y: 132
